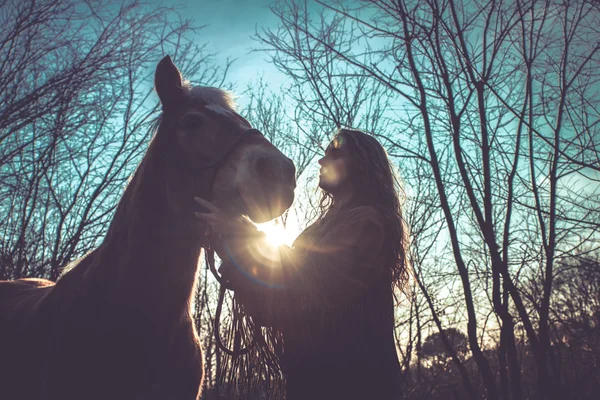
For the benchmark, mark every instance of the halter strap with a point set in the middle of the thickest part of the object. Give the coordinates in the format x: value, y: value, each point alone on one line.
x: 224, y: 157
x: 227, y: 116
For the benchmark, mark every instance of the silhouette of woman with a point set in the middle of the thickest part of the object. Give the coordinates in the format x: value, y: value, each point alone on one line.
x: 331, y: 295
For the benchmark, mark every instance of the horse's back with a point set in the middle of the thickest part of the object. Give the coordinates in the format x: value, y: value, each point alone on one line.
x: 59, y: 342
x: 20, y: 336
x: 19, y: 298
x: 21, y: 286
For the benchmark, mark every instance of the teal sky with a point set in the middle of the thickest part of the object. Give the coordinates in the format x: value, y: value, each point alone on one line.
x: 230, y: 24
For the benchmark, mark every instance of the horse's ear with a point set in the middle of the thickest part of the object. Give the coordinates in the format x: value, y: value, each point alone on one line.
x: 168, y: 84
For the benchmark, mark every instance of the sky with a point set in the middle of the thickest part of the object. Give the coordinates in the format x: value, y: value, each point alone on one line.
x: 230, y: 24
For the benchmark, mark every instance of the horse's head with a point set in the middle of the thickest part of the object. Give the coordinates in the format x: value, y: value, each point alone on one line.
x: 214, y: 152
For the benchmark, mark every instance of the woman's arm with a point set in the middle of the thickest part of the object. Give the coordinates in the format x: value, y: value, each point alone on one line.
x: 338, y: 268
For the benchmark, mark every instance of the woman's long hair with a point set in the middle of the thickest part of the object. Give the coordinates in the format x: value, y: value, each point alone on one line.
x: 379, y: 186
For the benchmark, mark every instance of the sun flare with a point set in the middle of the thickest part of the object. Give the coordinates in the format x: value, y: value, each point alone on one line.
x: 277, y: 234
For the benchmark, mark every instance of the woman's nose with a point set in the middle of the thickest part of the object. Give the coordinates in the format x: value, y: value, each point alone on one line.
x: 321, y: 160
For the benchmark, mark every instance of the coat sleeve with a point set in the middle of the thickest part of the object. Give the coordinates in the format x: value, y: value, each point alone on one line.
x: 277, y: 287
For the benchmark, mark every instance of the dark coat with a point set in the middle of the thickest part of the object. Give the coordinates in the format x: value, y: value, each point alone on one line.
x: 331, y: 297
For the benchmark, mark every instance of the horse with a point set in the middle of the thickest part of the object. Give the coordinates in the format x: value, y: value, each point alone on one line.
x: 118, y: 324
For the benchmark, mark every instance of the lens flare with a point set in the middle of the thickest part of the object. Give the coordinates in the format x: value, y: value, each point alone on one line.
x: 276, y: 234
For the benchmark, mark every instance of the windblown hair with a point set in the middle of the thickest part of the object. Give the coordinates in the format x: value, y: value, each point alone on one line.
x: 380, y: 187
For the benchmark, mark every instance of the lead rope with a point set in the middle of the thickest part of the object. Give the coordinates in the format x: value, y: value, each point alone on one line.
x: 257, y: 339
x: 224, y: 285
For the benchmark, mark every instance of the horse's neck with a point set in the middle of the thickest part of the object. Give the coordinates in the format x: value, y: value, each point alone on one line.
x: 160, y: 269
x: 150, y: 255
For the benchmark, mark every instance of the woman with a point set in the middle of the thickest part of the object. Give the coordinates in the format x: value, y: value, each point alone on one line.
x: 332, y: 294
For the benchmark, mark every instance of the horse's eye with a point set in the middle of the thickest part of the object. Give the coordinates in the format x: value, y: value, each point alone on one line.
x: 191, y: 122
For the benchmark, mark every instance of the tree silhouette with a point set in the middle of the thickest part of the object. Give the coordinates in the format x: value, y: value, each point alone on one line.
x: 77, y: 105
x: 436, y: 348
x: 491, y: 110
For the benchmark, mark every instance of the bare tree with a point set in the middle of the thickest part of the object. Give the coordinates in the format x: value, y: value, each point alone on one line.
x: 499, y: 101
x: 77, y: 107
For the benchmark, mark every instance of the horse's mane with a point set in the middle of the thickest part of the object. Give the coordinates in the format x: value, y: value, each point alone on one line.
x: 211, y: 95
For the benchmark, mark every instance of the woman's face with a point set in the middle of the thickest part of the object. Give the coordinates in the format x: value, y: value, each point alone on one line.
x: 335, y: 166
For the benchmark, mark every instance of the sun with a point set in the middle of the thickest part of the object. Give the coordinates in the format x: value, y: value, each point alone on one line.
x: 276, y: 234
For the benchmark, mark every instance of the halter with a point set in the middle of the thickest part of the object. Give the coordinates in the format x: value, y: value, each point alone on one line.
x: 228, y: 117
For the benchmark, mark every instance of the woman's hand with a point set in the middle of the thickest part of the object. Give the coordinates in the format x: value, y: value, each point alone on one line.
x: 233, y: 234
x: 225, y: 225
